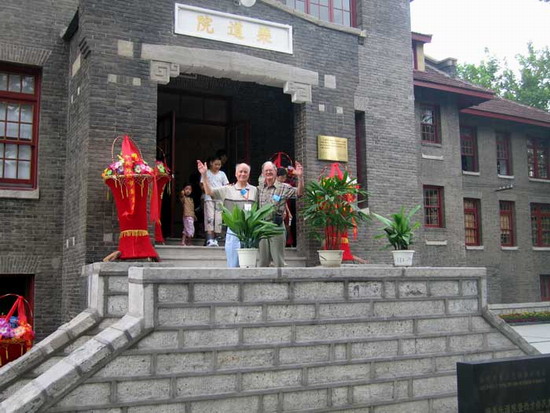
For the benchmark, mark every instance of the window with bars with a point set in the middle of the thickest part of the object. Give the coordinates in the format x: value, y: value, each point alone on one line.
x: 335, y: 11
x: 468, y: 149
x: 504, y: 155
x: 507, y: 224
x: 19, y: 106
x: 433, y: 207
x: 430, y: 123
x: 472, y: 223
x: 538, y: 154
x: 540, y: 225
x: 545, y: 287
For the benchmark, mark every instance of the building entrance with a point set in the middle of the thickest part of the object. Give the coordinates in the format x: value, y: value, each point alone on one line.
x: 199, y: 117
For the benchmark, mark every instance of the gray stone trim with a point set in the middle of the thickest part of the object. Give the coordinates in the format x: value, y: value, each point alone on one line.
x: 20, y: 264
x: 501, y: 325
x: 23, y: 54
x: 519, y: 307
x: 166, y: 60
x: 351, y: 30
x: 41, y: 351
x: 20, y: 194
x: 161, y: 72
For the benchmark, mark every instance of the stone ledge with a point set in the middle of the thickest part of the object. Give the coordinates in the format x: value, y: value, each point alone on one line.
x: 161, y: 275
x: 48, y: 346
x: 503, y: 327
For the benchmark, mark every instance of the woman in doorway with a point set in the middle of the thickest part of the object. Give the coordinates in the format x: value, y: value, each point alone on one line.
x: 212, y: 208
x: 241, y: 195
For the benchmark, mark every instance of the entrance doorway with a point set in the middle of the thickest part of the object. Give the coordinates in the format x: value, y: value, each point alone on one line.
x: 199, y: 117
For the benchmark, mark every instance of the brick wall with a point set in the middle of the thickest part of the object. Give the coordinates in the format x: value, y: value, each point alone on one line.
x: 32, y: 229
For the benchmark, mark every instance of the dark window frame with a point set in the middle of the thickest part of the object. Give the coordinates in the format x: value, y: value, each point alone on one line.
x: 29, y: 99
x: 435, y: 125
x: 475, y: 210
x: 539, y: 148
x: 537, y: 230
x: 507, y: 212
x: 544, y: 287
x: 309, y: 5
x: 504, y: 153
x: 470, y: 138
x: 439, y: 207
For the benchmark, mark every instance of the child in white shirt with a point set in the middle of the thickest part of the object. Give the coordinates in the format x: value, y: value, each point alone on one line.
x: 213, y: 209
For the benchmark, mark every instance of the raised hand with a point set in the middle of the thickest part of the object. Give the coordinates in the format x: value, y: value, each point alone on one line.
x: 201, y: 167
x: 298, y: 169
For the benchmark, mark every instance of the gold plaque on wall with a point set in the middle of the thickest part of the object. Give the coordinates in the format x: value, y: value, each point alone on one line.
x: 331, y: 148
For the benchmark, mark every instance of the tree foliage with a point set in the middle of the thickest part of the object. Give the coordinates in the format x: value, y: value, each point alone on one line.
x: 530, y: 86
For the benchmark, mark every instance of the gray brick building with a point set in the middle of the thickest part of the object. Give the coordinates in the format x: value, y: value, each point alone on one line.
x: 193, y: 77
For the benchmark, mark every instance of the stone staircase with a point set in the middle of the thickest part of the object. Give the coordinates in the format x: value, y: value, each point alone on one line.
x: 199, y: 256
x: 363, y: 338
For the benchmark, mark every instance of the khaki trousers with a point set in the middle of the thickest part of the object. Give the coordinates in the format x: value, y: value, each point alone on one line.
x: 272, y: 249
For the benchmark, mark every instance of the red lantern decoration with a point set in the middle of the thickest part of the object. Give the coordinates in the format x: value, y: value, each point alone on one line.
x: 16, y: 334
x: 130, y: 179
x: 344, y: 239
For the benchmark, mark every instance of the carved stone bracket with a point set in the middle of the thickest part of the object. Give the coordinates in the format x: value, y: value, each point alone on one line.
x: 299, y: 92
x: 161, y: 72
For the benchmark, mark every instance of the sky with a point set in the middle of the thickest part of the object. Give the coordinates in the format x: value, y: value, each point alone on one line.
x: 464, y: 28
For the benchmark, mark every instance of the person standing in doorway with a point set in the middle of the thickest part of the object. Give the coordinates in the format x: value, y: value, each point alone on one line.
x: 273, y: 192
x: 241, y: 195
x: 212, y: 208
x: 189, y: 216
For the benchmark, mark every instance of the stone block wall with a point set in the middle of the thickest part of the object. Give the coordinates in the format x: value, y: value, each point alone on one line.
x: 295, y: 339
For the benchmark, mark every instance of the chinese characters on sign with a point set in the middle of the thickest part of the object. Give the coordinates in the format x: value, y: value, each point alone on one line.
x: 231, y: 28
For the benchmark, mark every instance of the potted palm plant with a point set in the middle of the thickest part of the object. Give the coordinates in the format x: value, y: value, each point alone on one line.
x: 330, y: 211
x: 399, y: 231
x: 250, y: 227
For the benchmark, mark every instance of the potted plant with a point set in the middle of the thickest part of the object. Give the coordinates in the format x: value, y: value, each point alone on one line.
x: 250, y: 227
x: 399, y: 231
x: 330, y: 211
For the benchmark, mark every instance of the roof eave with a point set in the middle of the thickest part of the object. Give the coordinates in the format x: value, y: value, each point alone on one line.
x: 501, y: 116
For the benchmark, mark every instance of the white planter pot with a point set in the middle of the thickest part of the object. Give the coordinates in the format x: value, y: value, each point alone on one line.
x: 403, y: 258
x: 330, y: 258
x: 247, y: 257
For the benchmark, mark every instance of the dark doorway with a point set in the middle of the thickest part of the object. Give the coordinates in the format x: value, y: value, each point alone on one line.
x: 199, y: 116
x: 16, y: 284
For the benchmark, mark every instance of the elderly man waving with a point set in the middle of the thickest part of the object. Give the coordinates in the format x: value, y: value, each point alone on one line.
x: 271, y: 191
x: 241, y: 194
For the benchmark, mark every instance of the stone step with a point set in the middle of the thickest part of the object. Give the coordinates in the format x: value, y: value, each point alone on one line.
x: 199, y: 256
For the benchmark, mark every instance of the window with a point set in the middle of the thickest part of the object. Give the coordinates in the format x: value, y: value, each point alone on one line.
x: 433, y: 206
x: 430, y: 124
x: 468, y: 149
x: 19, y: 95
x: 504, y: 155
x: 334, y: 11
x: 545, y: 287
x: 472, y: 224
x: 540, y: 224
x: 538, y: 153
x: 507, y: 225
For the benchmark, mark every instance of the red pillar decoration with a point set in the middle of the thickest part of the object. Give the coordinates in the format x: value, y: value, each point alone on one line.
x: 130, y: 179
x: 163, y: 177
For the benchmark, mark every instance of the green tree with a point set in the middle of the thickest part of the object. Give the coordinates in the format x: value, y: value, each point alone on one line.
x: 530, y: 86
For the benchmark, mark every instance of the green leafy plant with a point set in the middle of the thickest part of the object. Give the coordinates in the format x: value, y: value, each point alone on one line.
x: 331, y: 208
x: 250, y: 227
x: 398, y: 230
x: 529, y: 317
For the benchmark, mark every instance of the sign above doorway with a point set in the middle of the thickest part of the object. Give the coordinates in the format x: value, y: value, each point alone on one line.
x: 232, y: 28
